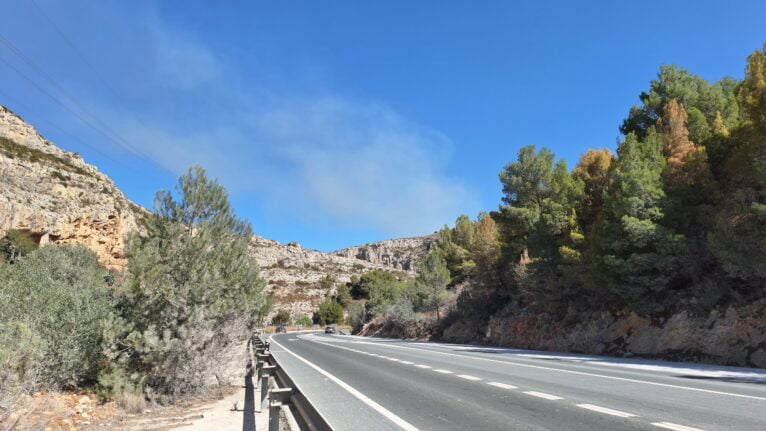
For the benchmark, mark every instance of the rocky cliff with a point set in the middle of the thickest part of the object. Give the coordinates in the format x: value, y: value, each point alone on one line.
x: 56, y: 197
x: 403, y: 254
x: 293, y: 274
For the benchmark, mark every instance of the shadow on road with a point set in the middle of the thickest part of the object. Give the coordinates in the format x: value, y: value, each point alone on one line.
x: 248, y: 410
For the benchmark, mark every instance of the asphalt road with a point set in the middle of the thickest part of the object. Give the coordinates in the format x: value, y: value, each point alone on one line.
x: 380, y: 384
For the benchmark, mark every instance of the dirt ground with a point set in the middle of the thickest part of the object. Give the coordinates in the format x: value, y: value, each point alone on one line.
x: 220, y: 408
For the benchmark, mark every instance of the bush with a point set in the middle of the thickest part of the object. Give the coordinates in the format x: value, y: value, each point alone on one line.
x: 357, y: 316
x: 52, y: 305
x: 193, y: 292
x: 401, y: 311
x: 360, y: 287
x: 342, y: 296
x: 329, y: 312
x: 16, y: 244
x: 131, y: 402
x: 282, y: 317
x: 384, y: 291
x: 304, y: 320
x: 20, y: 352
x: 327, y: 282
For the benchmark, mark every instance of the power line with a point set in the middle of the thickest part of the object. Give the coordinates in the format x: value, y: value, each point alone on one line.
x: 99, y: 126
x: 94, y: 122
x: 61, y: 129
x: 74, y: 48
x: 54, y: 98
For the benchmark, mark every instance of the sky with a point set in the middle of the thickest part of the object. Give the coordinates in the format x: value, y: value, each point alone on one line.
x: 337, y: 123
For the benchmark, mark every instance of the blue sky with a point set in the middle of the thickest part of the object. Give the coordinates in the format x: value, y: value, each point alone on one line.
x: 334, y: 123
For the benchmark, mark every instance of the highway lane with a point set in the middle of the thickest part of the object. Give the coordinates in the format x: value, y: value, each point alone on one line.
x: 364, y: 383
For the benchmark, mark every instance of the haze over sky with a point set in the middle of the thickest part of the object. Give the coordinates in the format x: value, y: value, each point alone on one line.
x: 335, y: 123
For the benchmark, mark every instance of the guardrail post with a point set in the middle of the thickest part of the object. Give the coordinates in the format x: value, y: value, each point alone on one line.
x: 277, y: 399
x: 266, y: 372
x: 261, y: 360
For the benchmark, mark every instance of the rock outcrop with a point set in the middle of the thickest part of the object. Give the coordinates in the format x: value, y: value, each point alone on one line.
x: 55, y: 197
x: 293, y: 274
x: 404, y: 254
x: 731, y: 336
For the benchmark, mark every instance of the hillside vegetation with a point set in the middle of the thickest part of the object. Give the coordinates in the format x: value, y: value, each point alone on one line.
x: 192, y: 293
x: 628, y: 250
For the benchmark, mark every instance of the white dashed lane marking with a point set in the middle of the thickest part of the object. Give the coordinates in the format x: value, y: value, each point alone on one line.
x: 543, y: 395
x: 467, y: 377
x: 674, y: 427
x: 401, y: 423
x: 501, y: 385
x: 606, y: 411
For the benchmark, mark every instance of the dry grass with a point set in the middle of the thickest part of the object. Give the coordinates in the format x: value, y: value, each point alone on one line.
x: 131, y: 403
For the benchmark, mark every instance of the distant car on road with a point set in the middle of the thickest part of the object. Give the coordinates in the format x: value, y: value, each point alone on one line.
x: 329, y: 330
x: 281, y: 328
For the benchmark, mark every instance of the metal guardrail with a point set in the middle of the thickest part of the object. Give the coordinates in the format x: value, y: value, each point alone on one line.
x: 279, y: 393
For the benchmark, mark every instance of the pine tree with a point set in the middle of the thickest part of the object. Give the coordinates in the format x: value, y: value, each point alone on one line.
x: 431, y: 283
x: 193, y: 291
x: 739, y: 239
x: 593, y: 170
x: 686, y: 163
x: 640, y: 256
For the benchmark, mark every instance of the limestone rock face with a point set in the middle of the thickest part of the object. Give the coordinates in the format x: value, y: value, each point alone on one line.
x: 293, y: 274
x: 56, y: 197
x: 404, y: 254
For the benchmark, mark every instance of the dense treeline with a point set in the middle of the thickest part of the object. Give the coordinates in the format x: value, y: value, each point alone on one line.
x: 191, y: 293
x: 676, y: 219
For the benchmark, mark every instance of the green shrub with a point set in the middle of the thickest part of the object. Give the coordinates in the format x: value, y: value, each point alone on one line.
x: 327, y: 282
x: 20, y: 353
x: 342, y: 295
x: 282, y: 317
x: 304, y: 320
x: 329, y: 312
x: 55, y: 299
x: 357, y: 316
x: 16, y: 244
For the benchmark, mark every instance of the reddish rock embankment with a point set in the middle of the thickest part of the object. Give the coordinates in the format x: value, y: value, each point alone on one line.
x: 732, y: 336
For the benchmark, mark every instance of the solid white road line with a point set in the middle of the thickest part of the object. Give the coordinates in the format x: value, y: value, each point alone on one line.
x: 423, y: 366
x: 358, y: 395
x: 501, y: 385
x: 581, y: 373
x: 443, y: 371
x: 543, y: 395
x: 674, y: 427
x: 606, y: 411
x: 467, y: 377
x: 407, y: 362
